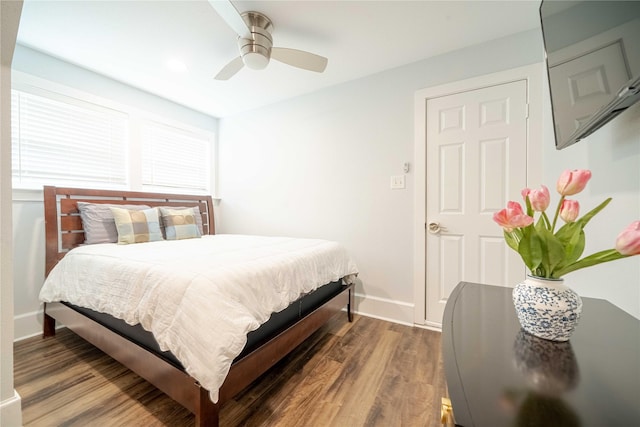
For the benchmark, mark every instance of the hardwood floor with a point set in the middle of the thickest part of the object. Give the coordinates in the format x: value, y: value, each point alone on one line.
x: 365, y: 373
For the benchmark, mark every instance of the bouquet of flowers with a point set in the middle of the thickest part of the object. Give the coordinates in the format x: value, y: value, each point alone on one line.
x: 549, y: 253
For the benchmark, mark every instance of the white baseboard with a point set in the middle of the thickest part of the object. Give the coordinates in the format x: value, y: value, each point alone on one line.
x: 436, y: 327
x: 384, y: 309
x: 27, y: 325
x: 11, y: 411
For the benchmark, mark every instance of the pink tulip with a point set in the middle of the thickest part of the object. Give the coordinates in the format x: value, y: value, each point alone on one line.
x: 512, y: 217
x: 628, y: 241
x: 572, y: 182
x: 569, y: 210
x: 539, y: 199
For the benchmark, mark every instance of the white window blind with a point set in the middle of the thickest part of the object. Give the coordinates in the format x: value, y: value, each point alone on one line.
x: 65, y: 141
x: 175, y: 158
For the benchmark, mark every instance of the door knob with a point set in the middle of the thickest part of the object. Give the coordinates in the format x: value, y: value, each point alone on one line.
x: 435, y: 228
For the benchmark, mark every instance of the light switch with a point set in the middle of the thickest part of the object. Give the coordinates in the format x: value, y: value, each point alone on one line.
x: 397, y: 182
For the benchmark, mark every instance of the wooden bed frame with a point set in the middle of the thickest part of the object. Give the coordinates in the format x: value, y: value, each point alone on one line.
x: 63, y: 230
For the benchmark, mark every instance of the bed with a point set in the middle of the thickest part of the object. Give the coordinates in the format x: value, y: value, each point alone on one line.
x: 133, y: 345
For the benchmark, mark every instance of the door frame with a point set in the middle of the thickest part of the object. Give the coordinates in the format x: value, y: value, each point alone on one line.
x: 533, y: 75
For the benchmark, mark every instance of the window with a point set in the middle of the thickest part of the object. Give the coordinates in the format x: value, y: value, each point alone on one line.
x: 65, y: 141
x: 65, y: 137
x: 173, y: 157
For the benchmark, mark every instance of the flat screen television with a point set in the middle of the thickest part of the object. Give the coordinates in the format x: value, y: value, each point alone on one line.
x: 593, y: 63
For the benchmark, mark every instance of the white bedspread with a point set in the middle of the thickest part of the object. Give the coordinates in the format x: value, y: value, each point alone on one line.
x: 199, y: 297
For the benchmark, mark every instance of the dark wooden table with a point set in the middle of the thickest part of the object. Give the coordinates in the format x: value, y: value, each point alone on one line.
x: 499, y: 375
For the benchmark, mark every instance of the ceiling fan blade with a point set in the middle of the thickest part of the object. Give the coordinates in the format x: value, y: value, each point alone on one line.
x: 231, y: 16
x: 230, y: 69
x: 300, y: 59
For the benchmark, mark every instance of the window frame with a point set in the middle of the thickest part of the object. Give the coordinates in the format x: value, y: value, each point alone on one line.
x: 137, y: 117
x: 85, y: 106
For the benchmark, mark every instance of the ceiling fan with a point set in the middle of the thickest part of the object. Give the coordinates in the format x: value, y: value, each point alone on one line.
x: 256, y: 44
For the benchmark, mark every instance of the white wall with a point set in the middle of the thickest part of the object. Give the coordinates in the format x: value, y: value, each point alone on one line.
x: 28, y: 210
x: 320, y: 166
x: 28, y: 262
x: 10, y: 403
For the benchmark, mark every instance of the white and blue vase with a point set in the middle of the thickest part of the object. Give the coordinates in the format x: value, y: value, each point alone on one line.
x: 547, y: 308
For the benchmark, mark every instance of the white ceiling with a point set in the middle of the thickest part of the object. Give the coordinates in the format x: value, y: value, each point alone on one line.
x: 132, y: 41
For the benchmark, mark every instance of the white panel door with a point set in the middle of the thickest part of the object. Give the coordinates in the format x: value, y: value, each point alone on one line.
x: 476, y: 162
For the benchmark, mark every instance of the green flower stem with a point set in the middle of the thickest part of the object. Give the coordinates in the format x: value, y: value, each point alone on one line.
x: 527, y: 202
x: 546, y: 220
x: 555, y: 217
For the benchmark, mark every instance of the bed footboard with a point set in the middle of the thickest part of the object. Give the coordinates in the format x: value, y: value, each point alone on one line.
x: 176, y: 383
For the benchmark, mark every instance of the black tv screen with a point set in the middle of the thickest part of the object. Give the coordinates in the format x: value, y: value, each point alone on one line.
x: 593, y: 63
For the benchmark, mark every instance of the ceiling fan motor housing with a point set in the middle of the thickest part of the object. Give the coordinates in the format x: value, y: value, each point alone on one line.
x: 255, y: 48
x: 256, y: 44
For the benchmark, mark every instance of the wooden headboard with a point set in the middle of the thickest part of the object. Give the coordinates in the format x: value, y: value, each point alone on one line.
x: 63, y: 226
